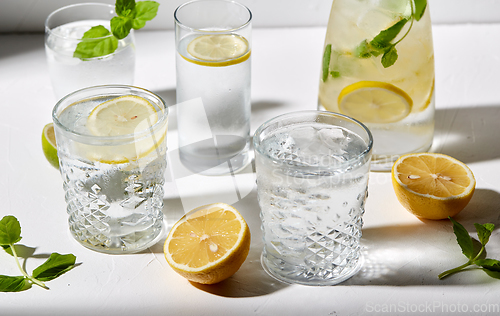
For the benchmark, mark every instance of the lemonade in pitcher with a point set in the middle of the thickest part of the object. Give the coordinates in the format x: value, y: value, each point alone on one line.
x: 378, y: 67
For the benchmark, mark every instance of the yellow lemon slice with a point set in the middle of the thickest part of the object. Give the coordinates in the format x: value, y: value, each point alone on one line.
x: 121, y: 116
x: 431, y: 185
x: 125, y: 115
x: 49, y: 146
x: 218, y: 50
x: 374, y: 102
x: 208, y: 244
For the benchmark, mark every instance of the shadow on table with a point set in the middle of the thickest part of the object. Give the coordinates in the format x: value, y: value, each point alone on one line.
x: 394, y: 254
x: 12, y: 47
x: 469, y: 134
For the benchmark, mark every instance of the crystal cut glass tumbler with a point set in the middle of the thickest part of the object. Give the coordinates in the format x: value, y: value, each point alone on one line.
x: 113, y: 184
x: 312, y: 180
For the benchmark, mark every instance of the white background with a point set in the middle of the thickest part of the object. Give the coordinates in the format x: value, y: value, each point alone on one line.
x: 29, y: 15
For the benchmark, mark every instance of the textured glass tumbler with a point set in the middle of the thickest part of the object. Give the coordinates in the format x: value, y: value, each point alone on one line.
x: 213, y: 42
x: 312, y: 179
x: 113, y: 184
x: 64, y: 29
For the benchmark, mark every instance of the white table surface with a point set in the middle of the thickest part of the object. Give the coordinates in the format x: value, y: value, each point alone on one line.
x: 403, y: 255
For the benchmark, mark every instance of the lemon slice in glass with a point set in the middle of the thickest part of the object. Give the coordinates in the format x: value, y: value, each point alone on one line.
x: 125, y: 115
x: 218, y: 50
x: 121, y: 116
x: 374, y: 102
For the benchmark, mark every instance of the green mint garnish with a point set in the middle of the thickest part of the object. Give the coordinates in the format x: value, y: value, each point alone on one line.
x: 326, y: 61
x: 130, y: 15
x: 490, y: 266
x: 56, y: 265
x: 382, y: 43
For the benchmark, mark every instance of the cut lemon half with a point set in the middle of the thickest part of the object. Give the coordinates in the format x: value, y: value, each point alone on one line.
x: 374, y: 102
x: 121, y: 116
x: 431, y: 185
x: 49, y: 146
x: 208, y: 244
x: 218, y: 50
x: 125, y: 115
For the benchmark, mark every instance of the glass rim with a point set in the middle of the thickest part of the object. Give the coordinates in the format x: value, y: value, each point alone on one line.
x: 119, y: 138
x: 192, y: 29
x: 49, y: 30
x: 258, y: 148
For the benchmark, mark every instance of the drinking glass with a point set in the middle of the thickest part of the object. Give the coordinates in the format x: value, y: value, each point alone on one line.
x: 213, y: 42
x: 113, y: 184
x: 312, y: 180
x: 64, y: 29
x: 378, y: 67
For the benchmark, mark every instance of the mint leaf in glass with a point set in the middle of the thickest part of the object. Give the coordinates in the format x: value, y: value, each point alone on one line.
x: 326, y: 61
x: 125, y: 8
x: 121, y: 26
x: 96, y: 42
x: 420, y: 6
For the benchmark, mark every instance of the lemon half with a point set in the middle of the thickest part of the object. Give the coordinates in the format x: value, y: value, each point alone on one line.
x: 432, y: 185
x: 374, y: 102
x: 208, y: 244
x: 218, y: 50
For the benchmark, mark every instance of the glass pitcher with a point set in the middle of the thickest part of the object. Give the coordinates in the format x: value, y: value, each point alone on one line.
x: 378, y: 67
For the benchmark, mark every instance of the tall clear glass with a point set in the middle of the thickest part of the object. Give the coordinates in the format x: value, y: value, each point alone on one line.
x: 64, y: 29
x: 378, y: 67
x: 113, y: 184
x: 312, y: 181
x: 213, y: 41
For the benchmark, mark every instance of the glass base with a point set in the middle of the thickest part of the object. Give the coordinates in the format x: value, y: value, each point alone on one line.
x: 315, y: 281
x: 124, y: 244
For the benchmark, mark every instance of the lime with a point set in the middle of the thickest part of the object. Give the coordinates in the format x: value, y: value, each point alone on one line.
x: 49, y: 145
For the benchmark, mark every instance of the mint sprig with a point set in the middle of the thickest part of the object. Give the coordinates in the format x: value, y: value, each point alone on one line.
x: 96, y: 42
x: 56, y: 265
x: 490, y: 266
x: 382, y: 43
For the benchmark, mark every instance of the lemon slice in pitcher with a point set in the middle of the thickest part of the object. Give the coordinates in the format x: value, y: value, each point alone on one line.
x: 218, y: 50
x: 374, y: 102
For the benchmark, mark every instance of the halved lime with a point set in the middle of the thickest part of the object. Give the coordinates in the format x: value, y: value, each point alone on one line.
x: 49, y: 145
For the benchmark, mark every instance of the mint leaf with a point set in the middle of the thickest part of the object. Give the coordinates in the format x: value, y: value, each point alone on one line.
x: 384, y: 38
x: 56, y: 265
x: 363, y: 50
x: 420, y: 6
x: 389, y: 57
x: 96, y: 42
x: 335, y: 74
x: 10, y: 230
x: 145, y: 11
x: 327, y: 55
x: 463, y: 239
x: 484, y: 232
x: 125, y: 8
x: 490, y: 264
x: 121, y: 26
x: 13, y: 284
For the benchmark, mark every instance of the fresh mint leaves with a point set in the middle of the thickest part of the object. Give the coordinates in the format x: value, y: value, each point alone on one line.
x: 56, y: 265
x: 96, y: 42
x: 382, y: 43
x: 490, y: 266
